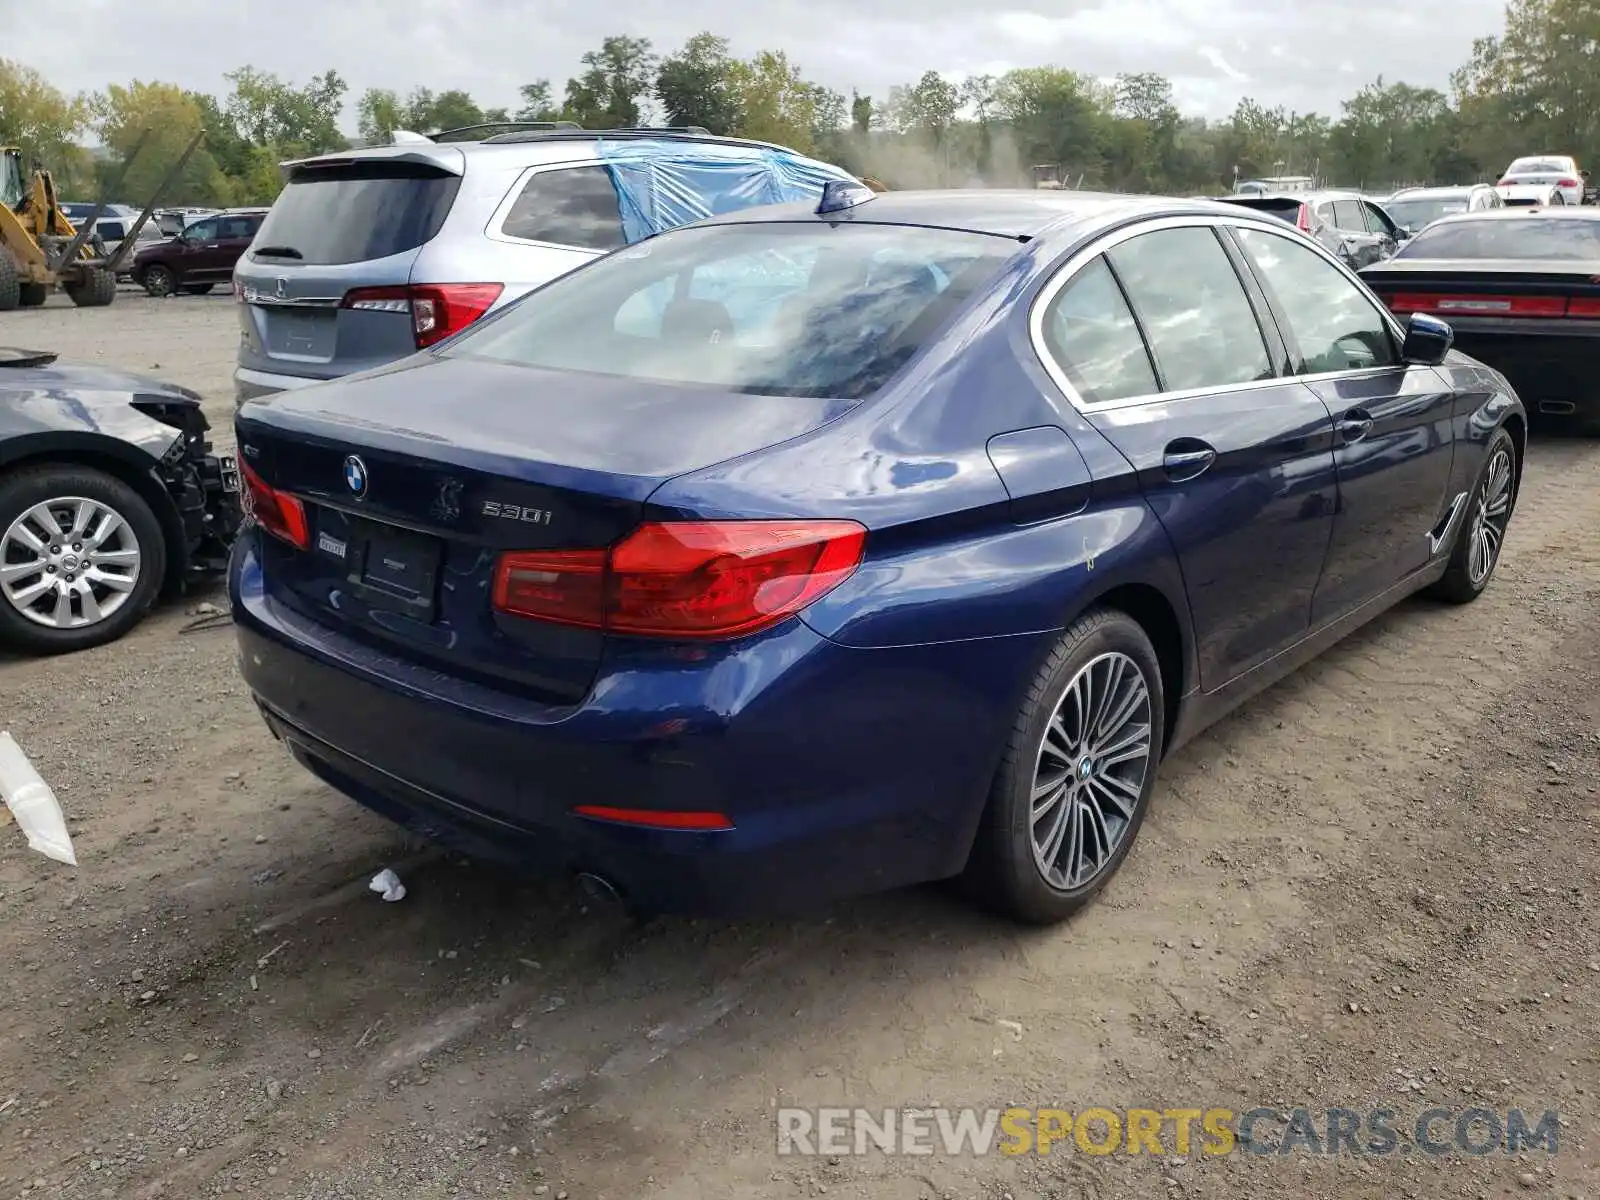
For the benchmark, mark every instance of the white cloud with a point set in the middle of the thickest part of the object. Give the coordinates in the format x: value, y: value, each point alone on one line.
x: 490, y: 47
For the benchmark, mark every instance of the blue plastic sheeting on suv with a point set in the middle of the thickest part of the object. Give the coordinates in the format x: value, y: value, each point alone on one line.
x: 662, y: 184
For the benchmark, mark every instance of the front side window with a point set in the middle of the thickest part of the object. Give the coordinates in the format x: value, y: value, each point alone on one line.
x: 1196, y: 316
x: 570, y: 206
x: 112, y: 230
x: 201, y: 231
x: 1337, y: 327
x: 776, y: 308
x: 1090, y: 333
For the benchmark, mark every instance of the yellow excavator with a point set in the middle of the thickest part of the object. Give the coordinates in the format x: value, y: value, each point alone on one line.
x: 40, y: 249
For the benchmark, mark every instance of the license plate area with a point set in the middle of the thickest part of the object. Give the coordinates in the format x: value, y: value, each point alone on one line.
x: 388, y: 567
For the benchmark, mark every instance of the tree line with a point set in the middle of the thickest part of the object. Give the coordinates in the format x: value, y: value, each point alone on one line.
x: 1531, y: 88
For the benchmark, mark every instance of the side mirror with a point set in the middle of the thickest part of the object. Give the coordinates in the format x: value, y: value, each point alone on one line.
x: 1428, y: 340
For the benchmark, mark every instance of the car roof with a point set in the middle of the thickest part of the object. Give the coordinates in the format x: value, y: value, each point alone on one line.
x: 1565, y: 212
x: 1452, y: 189
x: 1017, y: 213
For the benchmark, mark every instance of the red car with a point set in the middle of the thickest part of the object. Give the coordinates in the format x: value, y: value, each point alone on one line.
x: 200, y: 257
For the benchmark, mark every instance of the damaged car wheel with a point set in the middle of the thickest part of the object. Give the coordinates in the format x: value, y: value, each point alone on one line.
x: 81, y: 558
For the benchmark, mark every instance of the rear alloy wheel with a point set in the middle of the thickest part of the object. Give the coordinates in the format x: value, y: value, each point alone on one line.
x: 81, y: 559
x: 158, y: 280
x: 1478, y: 543
x: 1076, y: 778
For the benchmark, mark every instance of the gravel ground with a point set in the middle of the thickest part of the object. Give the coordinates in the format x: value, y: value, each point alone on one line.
x: 1374, y: 886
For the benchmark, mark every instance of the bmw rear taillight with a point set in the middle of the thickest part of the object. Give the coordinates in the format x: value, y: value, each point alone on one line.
x: 437, y: 309
x: 279, y: 513
x: 1568, y: 183
x: 1302, y: 219
x: 683, y: 579
x: 1507, y: 183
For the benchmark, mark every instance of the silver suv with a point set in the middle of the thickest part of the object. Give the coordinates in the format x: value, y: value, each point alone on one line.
x: 374, y: 254
x: 1415, y: 208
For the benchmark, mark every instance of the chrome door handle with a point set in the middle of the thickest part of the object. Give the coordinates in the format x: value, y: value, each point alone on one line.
x: 1187, y: 460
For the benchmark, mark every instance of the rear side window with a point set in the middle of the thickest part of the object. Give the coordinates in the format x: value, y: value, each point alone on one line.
x: 775, y: 308
x: 1337, y: 327
x: 573, y: 206
x: 111, y: 229
x: 1091, y: 334
x: 357, y: 211
x: 1202, y: 330
x: 1547, y: 238
x: 1347, y: 215
x: 238, y: 227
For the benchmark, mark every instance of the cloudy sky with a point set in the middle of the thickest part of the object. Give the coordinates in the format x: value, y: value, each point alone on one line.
x: 1302, y: 54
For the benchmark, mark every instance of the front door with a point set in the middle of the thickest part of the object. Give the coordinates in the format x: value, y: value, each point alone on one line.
x: 1163, y: 342
x: 1392, y: 423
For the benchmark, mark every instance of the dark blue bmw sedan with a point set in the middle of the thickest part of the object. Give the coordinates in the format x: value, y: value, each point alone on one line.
x: 802, y: 553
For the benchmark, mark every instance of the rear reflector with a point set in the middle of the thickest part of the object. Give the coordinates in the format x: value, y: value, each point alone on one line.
x: 683, y: 579
x: 437, y: 309
x: 280, y: 514
x: 1488, y: 306
x: 655, y: 818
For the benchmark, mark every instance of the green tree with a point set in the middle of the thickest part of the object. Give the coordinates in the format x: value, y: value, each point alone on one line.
x: 615, y: 83
x: 123, y: 113
x: 537, y: 104
x: 777, y: 103
x: 861, y: 113
x: 379, y: 113
x: 1056, y: 117
x: 695, y: 85
x: 267, y: 111
x: 44, y: 122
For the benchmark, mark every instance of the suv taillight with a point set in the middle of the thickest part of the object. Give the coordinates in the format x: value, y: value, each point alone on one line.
x: 683, y: 579
x: 437, y: 309
x: 279, y: 513
x: 1302, y: 219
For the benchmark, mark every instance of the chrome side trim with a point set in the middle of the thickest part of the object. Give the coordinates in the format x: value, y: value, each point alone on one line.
x: 1268, y: 225
x: 1437, y: 542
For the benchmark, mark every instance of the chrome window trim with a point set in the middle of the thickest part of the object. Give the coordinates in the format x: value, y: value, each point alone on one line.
x: 1069, y: 270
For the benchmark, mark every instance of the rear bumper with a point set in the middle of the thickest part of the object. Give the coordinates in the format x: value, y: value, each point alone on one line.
x: 843, y: 771
x: 251, y: 385
x: 1553, y: 365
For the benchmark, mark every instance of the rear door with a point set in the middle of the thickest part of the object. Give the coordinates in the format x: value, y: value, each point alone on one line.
x: 1393, y: 430
x: 1162, y: 340
x: 234, y: 233
x: 339, y: 225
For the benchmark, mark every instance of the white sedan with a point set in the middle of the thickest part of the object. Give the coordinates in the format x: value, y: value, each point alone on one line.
x: 1556, y: 170
x: 1525, y: 195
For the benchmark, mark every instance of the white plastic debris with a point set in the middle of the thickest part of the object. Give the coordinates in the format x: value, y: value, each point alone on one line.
x: 33, y: 804
x: 387, y: 884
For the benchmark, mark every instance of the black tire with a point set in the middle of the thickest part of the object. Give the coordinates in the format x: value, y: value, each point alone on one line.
x: 30, y: 486
x: 197, y: 289
x: 32, y: 295
x: 1003, y: 872
x: 97, y: 289
x: 10, y: 282
x: 158, y: 280
x: 1464, y: 580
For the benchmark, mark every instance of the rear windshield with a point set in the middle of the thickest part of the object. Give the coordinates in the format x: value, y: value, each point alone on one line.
x: 1274, y: 206
x: 1424, y: 210
x: 796, y: 309
x: 354, y: 212
x: 1537, y: 166
x: 1547, y: 238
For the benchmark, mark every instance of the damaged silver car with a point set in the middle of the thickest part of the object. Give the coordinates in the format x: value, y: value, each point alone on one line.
x: 110, y: 497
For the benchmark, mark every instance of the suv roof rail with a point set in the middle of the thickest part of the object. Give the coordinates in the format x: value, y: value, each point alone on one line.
x: 577, y: 131
x: 478, y: 132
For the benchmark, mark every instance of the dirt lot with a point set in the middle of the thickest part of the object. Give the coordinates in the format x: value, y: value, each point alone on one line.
x: 1374, y: 887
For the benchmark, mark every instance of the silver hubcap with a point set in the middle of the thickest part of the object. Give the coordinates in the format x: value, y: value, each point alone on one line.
x: 1090, y: 771
x: 68, y: 563
x: 1489, y: 522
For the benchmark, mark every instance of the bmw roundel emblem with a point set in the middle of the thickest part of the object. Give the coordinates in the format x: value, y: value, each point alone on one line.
x: 355, y: 475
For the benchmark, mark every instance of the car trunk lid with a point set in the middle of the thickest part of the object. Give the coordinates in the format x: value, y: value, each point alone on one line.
x: 415, y: 478
x: 1466, y: 288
